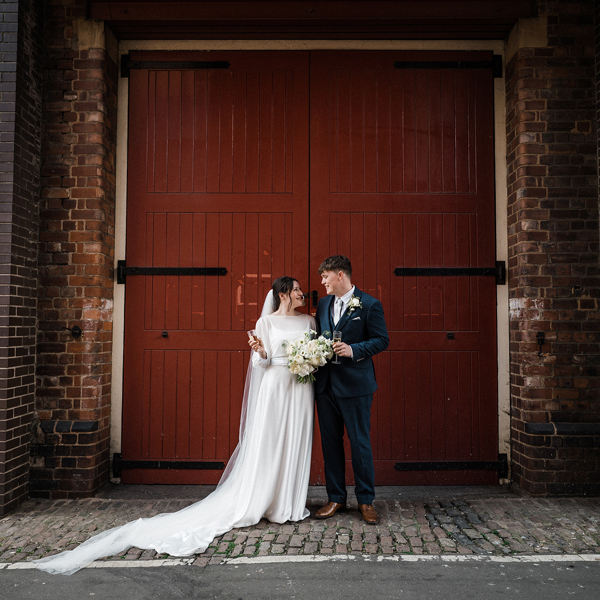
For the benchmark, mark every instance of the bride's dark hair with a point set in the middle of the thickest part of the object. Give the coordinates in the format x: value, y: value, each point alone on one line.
x: 282, y: 285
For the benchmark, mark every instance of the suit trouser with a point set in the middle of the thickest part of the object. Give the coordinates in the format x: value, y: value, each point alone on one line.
x: 355, y: 414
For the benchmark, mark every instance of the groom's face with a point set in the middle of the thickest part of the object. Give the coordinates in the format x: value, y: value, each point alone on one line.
x: 333, y: 282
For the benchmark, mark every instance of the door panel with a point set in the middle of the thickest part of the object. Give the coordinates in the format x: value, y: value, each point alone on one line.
x: 402, y: 176
x: 218, y: 177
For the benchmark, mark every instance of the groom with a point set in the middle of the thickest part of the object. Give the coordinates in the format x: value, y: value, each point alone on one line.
x: 344, y: 392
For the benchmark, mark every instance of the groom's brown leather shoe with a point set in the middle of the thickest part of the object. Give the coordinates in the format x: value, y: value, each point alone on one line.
x: 329, y: 510
x: 368, y: 513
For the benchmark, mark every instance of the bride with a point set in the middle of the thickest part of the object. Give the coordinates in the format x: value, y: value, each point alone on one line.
x: 267, y: 475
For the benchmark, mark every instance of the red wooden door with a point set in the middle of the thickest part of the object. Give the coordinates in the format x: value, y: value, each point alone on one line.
x: 402, y: 175
x: 218, y: 177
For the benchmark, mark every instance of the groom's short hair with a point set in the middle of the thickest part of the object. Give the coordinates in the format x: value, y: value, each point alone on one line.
x: 336, y: 263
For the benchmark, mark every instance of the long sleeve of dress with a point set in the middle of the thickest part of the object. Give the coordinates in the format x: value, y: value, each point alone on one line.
x: 262, y: 331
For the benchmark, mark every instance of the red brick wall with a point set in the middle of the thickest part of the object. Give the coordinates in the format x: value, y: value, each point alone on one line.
x: 20, y: 125
x: 70, y: 456
x: 553, y: 256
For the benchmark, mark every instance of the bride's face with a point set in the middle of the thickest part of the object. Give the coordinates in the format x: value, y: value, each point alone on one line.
x: 295, y: 297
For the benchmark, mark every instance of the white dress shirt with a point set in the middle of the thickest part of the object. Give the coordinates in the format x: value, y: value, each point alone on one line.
x: 345, y: 299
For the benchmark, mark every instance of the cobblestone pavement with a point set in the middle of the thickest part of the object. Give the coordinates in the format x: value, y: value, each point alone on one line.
x: 493, y: 524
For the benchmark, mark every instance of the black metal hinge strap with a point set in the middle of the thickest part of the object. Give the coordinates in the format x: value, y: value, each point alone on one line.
x: 200, y: 465
x: 495, y: 64
x: 499, y: 272
x: 123, y: 270
x: 500, y: 465
x: 127, y: 64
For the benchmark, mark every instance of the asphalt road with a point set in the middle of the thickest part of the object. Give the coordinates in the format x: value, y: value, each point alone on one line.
x: 349, y: 579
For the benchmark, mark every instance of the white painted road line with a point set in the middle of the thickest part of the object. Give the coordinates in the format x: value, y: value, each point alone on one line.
x: 317, y: 558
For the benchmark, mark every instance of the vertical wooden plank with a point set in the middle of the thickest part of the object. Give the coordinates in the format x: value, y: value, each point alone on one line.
x: 383, y: 131
x: 451, y: 411
x: 145, y: 446
x: 197, y: 403
x: 370, y: 256
x: 174, y: 126
x: 251, y: 274
x: 185, y: 260
x: 409, y: 138
x: 279, y: 141
x: 398, y: 407
x: 183, y: 412
x: 169, y: 416
x: 211, y: 306
x: 423, y: 283
x: 226, y: 134
x: 435, y: 132
x: 385, y: 270
x: 357, y: 132
x: 385, y: 400
x: 411, y: 405
x: 396, y: 317
x: 172, y: 282
x: 265, y: 157
x: 462, y: 81
x: 357, y: 249
x: 161, y: 131
x: 344, y: 236
x: 213, y: 132
x: 370, y: 131
x: 422, y: 131
x: 450, y: 308
x: 289, y: 131
x: 438, y: 407
x: 397, y: 156
x: 333, y: 132
x: 425, y: 416
x: 239, y: 132
x: 200, y: 129
x: 410, y: 283
x: 463, y: 299
x: 151, y: 140
x: 252, y: 125
x: 148, y: 283
x: 265, y: 275
x: 333, y: 234
x: 157, y: 378
x: 344, y: 139
x: 464, y: 406
x: 475, y: 400
x: 187, y: 132
x: 209, y: 417
x: 437, y: 260
x: 238, y: 373
x: 225, y: 282
x: 198, y: 260
x: 278, y: 245
x: 237, y: 270
x: 224, y: 405
x: 448, y: 133
x: 158, y: 281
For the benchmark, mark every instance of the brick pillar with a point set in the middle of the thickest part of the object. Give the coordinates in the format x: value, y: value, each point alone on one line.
x: 553, y: 255
x: 71, y: 449
x: 20, y: 132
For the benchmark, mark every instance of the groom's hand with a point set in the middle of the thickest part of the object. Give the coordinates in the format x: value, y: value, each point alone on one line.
x: 342, y: 349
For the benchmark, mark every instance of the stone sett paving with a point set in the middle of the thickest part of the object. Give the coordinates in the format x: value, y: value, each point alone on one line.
x: 505, y: 525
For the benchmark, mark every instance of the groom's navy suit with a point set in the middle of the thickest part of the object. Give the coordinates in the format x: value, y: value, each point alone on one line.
x: 344, y: 394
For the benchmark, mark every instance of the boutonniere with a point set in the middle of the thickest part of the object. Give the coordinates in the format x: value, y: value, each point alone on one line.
x: 353, y: 304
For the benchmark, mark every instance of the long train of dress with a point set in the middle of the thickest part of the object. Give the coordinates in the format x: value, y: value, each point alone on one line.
x: 269, y: 477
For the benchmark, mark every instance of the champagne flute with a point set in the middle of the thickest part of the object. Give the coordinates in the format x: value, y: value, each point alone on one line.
x: 337, y: 337
x: 252, y: 335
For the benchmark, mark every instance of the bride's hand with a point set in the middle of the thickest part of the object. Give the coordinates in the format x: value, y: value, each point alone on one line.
x: 257, y: 346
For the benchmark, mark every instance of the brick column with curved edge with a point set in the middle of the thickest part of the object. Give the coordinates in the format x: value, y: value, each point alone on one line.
x: 554, y: 273
x: 70, y: 453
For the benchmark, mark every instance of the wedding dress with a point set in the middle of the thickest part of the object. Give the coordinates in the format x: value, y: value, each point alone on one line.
x: 267, y: 475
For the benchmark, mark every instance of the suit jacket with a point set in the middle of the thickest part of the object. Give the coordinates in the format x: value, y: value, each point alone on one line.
x: 365, y: 331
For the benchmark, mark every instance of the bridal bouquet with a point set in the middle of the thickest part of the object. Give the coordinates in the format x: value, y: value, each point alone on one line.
x: 306, y: 355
